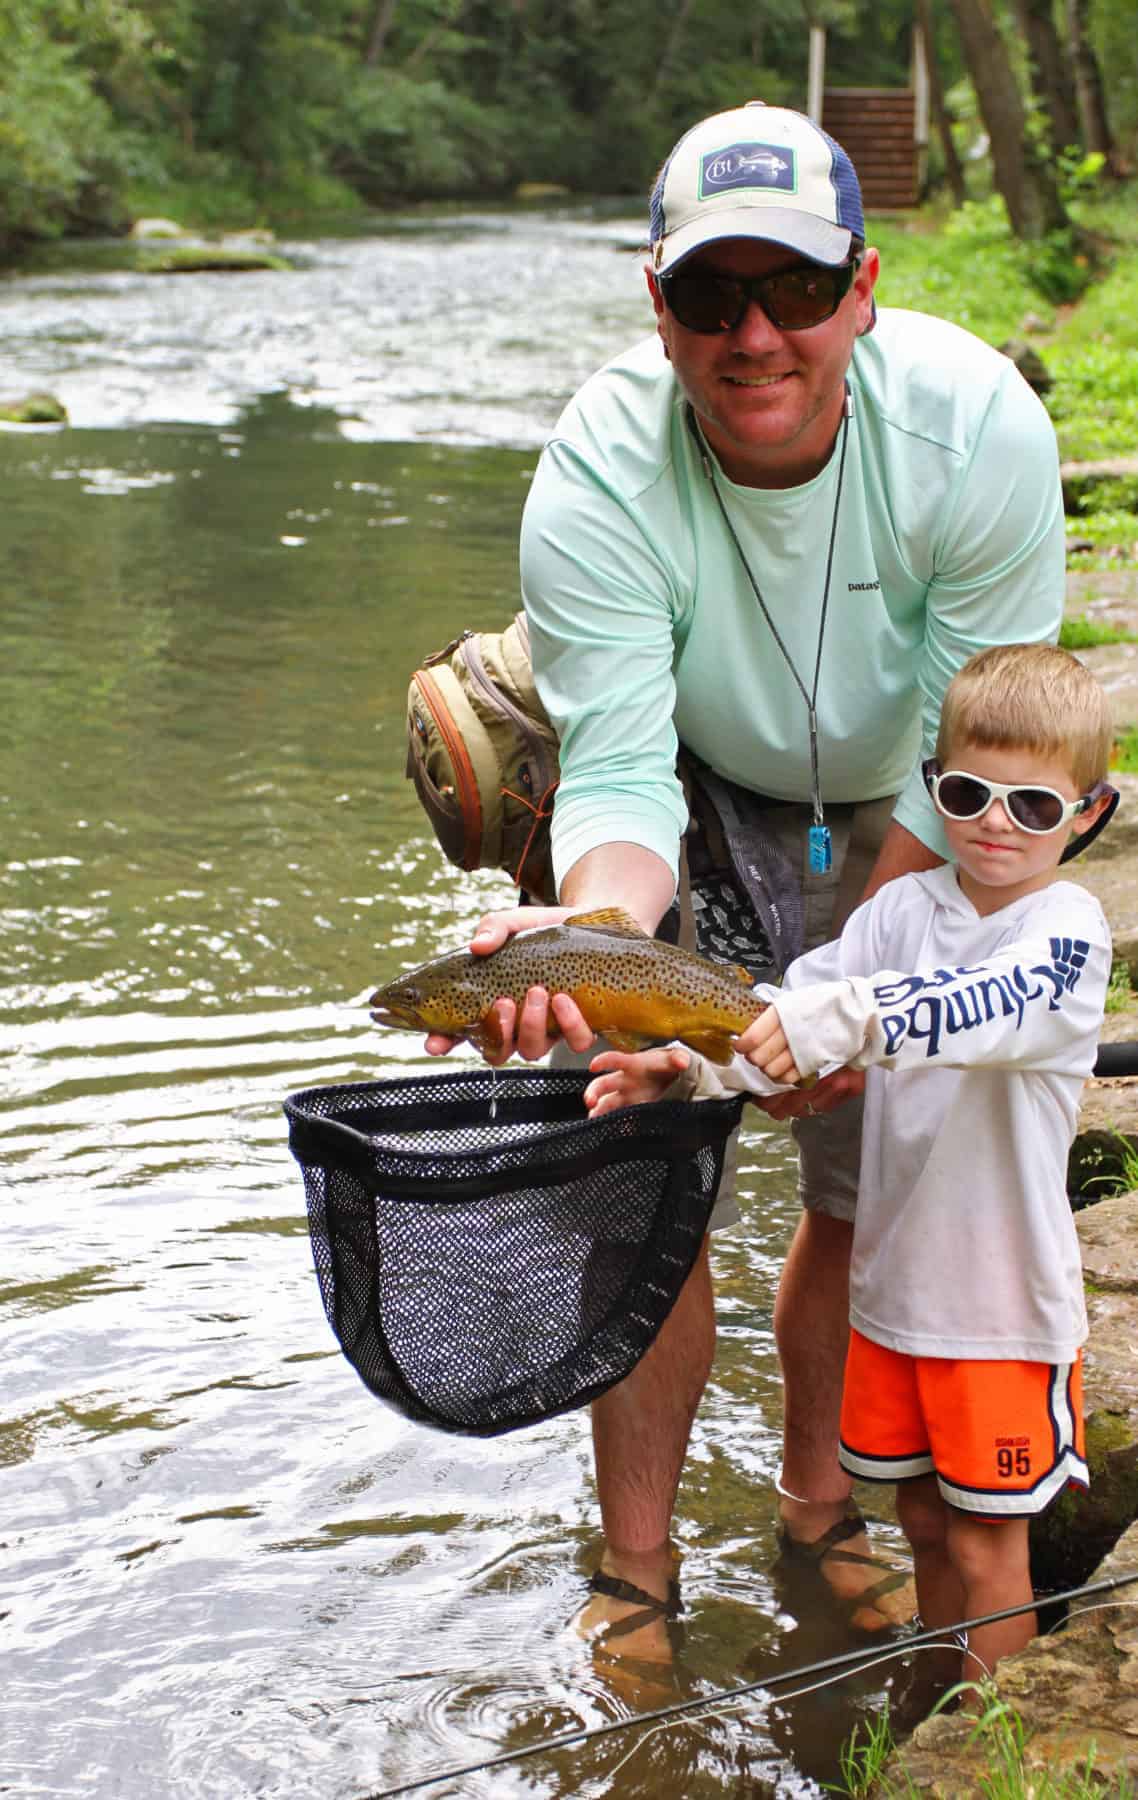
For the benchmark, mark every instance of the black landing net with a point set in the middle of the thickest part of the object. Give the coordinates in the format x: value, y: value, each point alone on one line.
x: 489, y: 1256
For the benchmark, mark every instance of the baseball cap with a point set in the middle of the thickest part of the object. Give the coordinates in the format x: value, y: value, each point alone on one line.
x: 757, y: 171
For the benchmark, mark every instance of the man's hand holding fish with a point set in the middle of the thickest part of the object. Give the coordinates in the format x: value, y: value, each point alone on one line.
x: 524, y: 1030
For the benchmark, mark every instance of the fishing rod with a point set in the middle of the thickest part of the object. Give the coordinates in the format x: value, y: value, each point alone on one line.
x: 850, y: 1660
x: 1117, y: 1059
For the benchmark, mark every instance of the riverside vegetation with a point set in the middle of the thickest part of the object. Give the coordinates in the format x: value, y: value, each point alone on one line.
x: 238, y: 114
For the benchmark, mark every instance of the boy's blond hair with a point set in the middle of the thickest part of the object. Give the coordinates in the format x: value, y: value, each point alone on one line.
x: 1029, y: 697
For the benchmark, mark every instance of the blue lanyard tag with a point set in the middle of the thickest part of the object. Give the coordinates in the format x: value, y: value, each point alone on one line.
x: 821, y: 854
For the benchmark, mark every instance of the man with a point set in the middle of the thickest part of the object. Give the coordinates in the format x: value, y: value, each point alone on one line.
x: 772, y: 533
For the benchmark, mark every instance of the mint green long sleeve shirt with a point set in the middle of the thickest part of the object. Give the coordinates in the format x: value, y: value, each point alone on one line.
x: 645, y: 628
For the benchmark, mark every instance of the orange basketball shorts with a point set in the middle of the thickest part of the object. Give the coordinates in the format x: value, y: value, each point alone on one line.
x: 1002, y: 1438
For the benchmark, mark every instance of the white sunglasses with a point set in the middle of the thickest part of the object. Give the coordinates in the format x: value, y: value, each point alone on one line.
x: 1039, y: 810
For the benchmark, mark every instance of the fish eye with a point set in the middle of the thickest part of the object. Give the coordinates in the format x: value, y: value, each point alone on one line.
x: 410, y: 993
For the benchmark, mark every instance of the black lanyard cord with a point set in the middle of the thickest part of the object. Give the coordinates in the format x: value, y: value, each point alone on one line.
x: 810, y: 698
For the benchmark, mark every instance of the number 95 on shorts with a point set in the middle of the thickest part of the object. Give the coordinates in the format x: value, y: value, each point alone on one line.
x: 1003, y: 1438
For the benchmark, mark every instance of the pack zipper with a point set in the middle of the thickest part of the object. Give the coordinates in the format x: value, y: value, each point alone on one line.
x: 472, y: 657
x: 470, y: 805
x: 447, y: 651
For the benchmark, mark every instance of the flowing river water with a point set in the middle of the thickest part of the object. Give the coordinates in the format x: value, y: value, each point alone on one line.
x: 227, y: 1569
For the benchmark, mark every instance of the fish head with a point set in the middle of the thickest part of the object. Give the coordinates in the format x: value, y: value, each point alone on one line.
x: 400, y: 1003
x: 440, y: 996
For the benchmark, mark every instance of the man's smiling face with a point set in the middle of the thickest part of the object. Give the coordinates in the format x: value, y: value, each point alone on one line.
x: 769, y: 401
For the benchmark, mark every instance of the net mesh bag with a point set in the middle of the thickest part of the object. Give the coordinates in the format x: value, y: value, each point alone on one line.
x: 488, y: 1256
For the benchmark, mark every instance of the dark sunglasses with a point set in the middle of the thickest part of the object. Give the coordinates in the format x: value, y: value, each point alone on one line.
x: 1039, y: 810
x: 706, y: 301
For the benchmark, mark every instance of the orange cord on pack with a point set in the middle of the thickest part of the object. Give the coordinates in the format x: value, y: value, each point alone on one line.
x: 540, y: 813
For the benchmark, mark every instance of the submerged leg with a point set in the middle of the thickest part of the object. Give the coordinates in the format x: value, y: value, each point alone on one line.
x: 641, y: 1427
x: 811, y: 1322
x: 640, y: 1439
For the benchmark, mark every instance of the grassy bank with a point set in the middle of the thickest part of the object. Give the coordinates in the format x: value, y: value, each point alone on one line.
x: 966, y: 266
x: 1006, y: 1770
x: 226, y: 203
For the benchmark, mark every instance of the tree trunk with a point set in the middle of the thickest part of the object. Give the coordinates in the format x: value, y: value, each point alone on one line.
x: 1088, y: 84
x: 671, y: 47
x: 952, y: 169
x: 1025, y: 180
x: 1049, y: 71
x: 381, y: 23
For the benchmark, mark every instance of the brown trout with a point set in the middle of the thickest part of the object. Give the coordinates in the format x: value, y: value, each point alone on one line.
x: 629, y: 986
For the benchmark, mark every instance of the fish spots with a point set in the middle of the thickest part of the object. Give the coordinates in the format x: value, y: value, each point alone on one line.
x: 622, y: 980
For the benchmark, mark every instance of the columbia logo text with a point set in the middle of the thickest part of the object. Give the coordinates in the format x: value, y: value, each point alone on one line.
x: 975, y: 996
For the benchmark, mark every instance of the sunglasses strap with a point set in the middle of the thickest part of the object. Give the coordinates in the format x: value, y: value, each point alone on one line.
x: 1081, y: 840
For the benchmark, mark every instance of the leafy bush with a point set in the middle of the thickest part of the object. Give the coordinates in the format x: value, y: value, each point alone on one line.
x: 978, y: 223
x: 61, y: 161
x: 1059, y: 265
x: 1083, y: 633
x: 399, y: 138
x: 1125, y: 754
x: 1119, y: 997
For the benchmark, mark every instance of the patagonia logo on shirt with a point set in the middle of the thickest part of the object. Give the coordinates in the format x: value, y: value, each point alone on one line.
x: 747, y: 166
x: 978, y: 995
x: 863, y: 587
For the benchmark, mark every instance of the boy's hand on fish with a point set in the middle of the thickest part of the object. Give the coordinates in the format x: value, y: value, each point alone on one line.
x: 764, y: 1045
x: 633, y: 1078
x: 828, y: 1092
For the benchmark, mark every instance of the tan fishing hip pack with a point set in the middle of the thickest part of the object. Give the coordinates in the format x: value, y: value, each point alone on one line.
x: 483, y: 756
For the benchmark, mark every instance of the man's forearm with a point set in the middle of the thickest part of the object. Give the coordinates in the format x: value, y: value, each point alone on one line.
x: 900, y: 854
x: 624, y: 875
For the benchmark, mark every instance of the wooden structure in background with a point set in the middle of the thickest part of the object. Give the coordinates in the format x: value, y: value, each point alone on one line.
x: 876, y: 128
x: 885, y: 131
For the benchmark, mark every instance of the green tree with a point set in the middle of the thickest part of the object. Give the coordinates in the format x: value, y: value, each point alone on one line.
x: 1024, y: 173
x: 954, y: 173
x: 1048, y: 71
x: 1097, y: 135
x: 60, y: 161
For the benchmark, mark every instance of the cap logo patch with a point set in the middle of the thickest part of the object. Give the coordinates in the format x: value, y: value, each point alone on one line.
x: 747, y: 166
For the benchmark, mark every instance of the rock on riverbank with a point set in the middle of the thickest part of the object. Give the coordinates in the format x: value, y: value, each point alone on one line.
x: 1076, y: 1693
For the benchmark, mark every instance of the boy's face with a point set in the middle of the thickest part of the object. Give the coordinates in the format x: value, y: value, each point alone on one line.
x: 998, y: 861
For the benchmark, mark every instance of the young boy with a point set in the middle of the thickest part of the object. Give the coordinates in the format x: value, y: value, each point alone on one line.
x: 973, y: 995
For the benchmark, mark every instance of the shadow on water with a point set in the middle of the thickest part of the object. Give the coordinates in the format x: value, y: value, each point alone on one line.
x: 229, y: 1570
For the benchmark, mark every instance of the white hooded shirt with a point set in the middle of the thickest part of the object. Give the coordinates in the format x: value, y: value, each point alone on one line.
x: 977, y: 1034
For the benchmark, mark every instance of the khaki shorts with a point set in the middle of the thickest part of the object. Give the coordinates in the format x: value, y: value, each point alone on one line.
x: 829, y: 1146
